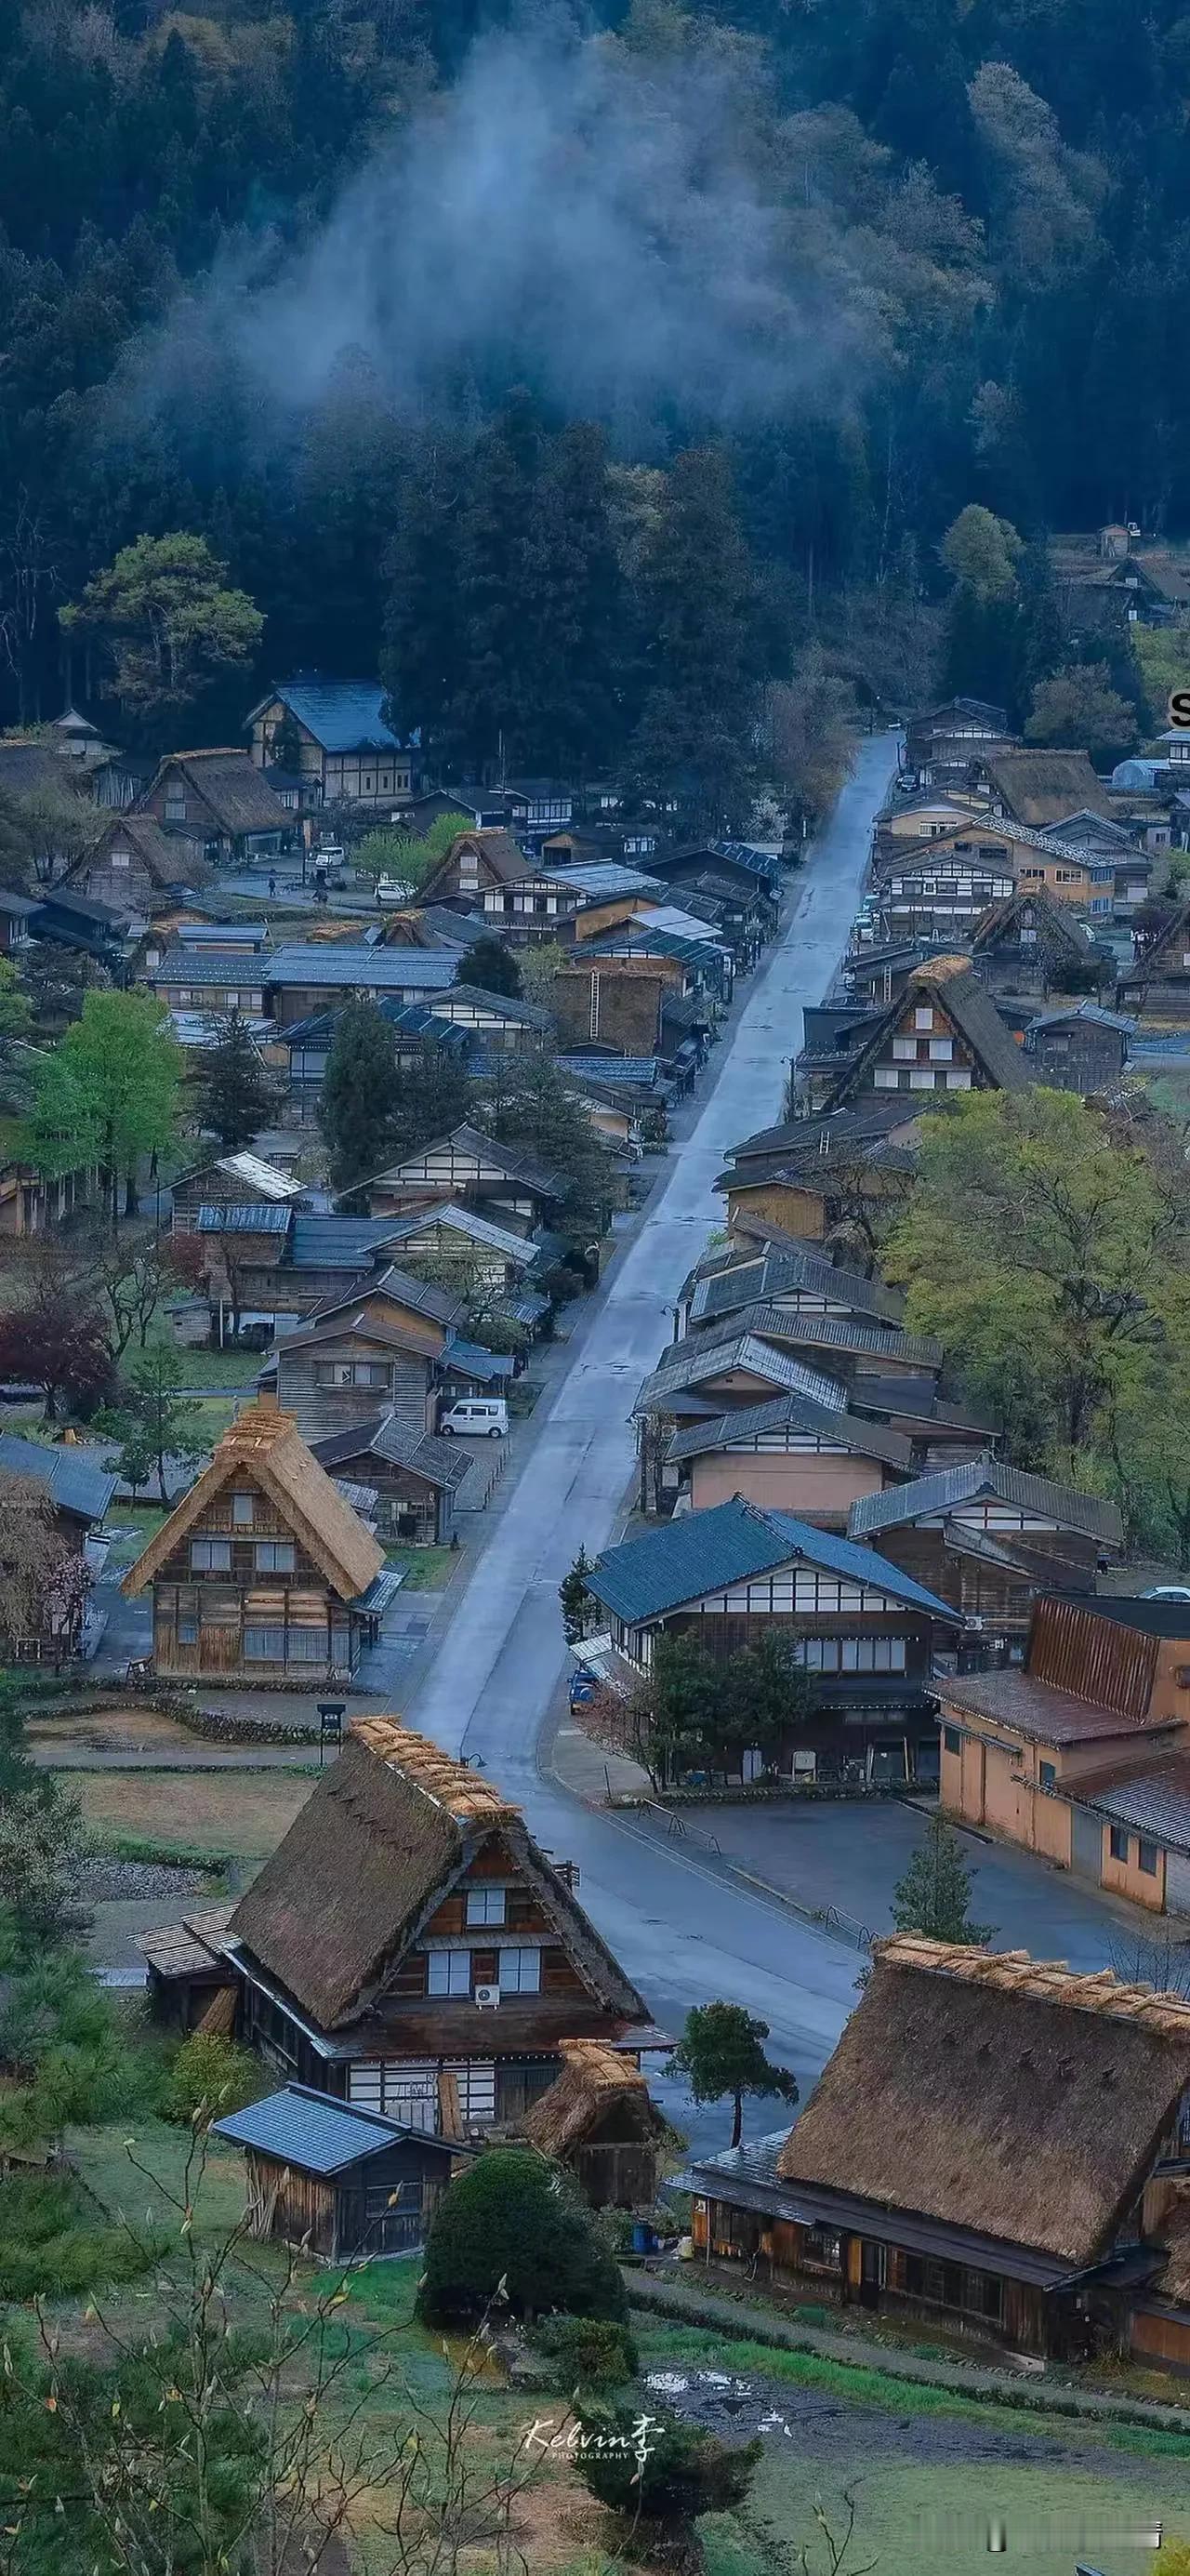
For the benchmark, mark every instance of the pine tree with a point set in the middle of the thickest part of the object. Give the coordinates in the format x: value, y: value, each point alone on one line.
x: 703, y: 661
x: 433, y: 1096
x: 497, y: 704
x: 579, y: 590
x: 575, y: 1599
x: 360, y: 1096
x: 234, y: 1096
x: 934, y: 1894
x: 492, y: 967
x: 421, y: 666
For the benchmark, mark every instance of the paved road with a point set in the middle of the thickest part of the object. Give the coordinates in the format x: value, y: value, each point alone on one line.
x: 682, y: 1933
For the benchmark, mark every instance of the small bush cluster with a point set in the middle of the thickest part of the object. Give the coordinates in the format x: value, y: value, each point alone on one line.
x: 210, y: 2075
x: 591, y: 2352
x: 51, y: 2246
x: 514, y: 2230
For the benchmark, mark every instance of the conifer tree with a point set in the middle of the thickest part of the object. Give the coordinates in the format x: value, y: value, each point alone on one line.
x: 234, y: 1095
x: 359, y: 1096
x: 935, y: 1892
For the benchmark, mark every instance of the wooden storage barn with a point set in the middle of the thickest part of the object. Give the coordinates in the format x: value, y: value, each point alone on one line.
x: 991, y: 2145
x: 342, y: 2183
x: 188, y: 1979
x: 262, y: 1572
x: 599, y: 2119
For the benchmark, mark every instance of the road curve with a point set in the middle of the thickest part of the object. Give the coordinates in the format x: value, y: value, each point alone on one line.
x: 683, y: 1931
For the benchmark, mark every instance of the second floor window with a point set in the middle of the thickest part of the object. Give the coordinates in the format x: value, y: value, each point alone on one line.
x: 210, y: 1556
x: 449, y: 1972
x: 274, y: 1556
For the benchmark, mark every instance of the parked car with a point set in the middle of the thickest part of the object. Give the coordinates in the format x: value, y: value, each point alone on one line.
x: 477, y: 1417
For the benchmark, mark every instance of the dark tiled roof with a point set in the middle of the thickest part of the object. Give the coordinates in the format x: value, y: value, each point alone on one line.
x: 1156, y: 1801
x: 840, y: 1333
x: 503, y: 1006
x: 75, y: 1482
x: 323, y: 965
x: 234, y: 968
x: 783, y: 1273
x: 794, y: 1413
x: 398, y: 1444
x: 509, y: 1160
x: 954, y: 1486
x: 342, y: 715
x: 315, y: 2133
x: 338, y: 1242
x: 1036, y: 1710
x: 698, y: 1359
x: 703, y: 1552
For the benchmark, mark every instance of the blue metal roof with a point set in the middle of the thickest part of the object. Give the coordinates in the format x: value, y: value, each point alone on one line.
x: 342, y: 715
x: 342, y: 962
x: 734, y: 1542
x: 469, y: 1359
x: 635, y: 1072
x: 337, y: 1242
x: 76, y: 1482
x: 311, y: 2131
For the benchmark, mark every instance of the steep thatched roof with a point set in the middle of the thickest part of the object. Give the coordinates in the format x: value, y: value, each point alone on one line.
x: 266, y: 1446
x: 595, y: 2080
x: 367, y: 1859
x: 1040, y: 787
x: 1059, y: 935
x: 995, y: 2093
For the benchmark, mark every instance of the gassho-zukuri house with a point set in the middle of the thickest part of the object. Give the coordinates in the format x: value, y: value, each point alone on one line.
x: 998, y: 2143
x: 408, y: 1948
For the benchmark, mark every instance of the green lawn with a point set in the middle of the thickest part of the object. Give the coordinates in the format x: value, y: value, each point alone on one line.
x: 425, y: 1569
x: 136, y: 1524
x: 932, y: 2473
x: 221, y: 1368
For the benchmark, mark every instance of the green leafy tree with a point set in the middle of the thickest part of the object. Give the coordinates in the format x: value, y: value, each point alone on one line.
x: 234, y: 1095
x: 153, y: 1421
x: 768, y: 1692
x: 492, y: 966
x: 409, y: 858
x: 721, y: 2055
x: 167, y: 622
x: 41, y: 1843
x: 1035, y: 1243
x: 44, y: 830
x: 359, y: 1096
x: 108, y: 1094
x: 935, y: 1892
x: 983, y: 552
x: 16, y: 1009
x: 513, y: 2227
x: 1079, y: 710
x: 659, y: 2475
x: 576, y: 1600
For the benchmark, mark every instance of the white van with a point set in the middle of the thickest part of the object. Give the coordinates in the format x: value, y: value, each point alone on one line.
x: 479, y: 1417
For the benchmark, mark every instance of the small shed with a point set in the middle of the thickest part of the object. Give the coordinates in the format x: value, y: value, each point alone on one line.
x: 188, y: 1977
x: 342, y: 2182
x: 598, y: 2117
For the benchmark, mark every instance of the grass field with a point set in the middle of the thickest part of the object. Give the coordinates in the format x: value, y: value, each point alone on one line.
x: 220, y: 1368
x: 939, y: 2482
x: 425, y: 1569
x: 239, y: 1814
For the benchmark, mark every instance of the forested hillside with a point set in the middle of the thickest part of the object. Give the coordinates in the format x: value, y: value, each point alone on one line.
x: 271, y: 275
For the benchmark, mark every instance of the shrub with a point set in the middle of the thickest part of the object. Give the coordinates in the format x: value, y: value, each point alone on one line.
x: 209, y: 2074
x: 516, y: 2219
x: 591, y: 2351
x: 687, y: 2472
x: 49, y: 2247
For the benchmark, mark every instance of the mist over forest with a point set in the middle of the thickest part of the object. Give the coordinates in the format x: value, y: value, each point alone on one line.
x: 468, y: 338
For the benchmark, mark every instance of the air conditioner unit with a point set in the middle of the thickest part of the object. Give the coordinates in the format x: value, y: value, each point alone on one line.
x: 487, y: 1997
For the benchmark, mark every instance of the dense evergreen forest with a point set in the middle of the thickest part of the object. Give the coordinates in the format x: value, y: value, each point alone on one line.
x: 583, y: 379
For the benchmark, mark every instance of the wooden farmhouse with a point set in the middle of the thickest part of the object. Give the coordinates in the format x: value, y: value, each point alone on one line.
x: 342, y: 2183
x: 377, y: 1349
x: 998, y: 2144
x: 1084, y: 1757
x: 473, y: 1170
x: 597, y: 2117
x: 1024, y: 947
x: 333, y: 738
x: 1156, y: 988
x: 262, y: 1573
x: 1038, y: 788
x: 487, y: 1255
x: 138, y: 867
x: 446, y: 1958
x: 1081, y: 1048
x: 217, y: 803
x: 825, y: 1179
x: 230, y: 1181
x: 987, y: 1538
x: 786, y: 1455
x: 941, y: 742
x: 944, y: 1034
x: 865, y: 1631
x: 414, y: 1476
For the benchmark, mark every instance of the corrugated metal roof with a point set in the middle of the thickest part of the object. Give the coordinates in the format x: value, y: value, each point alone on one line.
x: 624, y: 1072
x: 342, y: 715
x: 792, y: 1412
x: 702, y: 1360
x: 235, y: 968
x: 708, y: 1551
x: 77, y: 1482
x: 783, y: 1273
x: 977, y: 1477
x: 343, y: 963
x: 337, y: 1242
x: 469, y: 1359
x: 460, y: 1220
x: 259, y: 1218
x: 398, y: 1444
x: 841, y: 1333
x: 309, y: 2130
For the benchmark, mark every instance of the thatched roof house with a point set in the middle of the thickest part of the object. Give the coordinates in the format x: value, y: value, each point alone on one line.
x: 408, y: 1943
x: 984, y: 2142
x: 599, y: 2118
